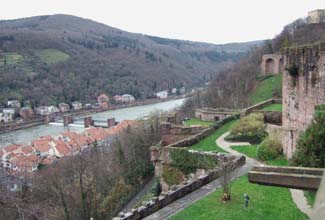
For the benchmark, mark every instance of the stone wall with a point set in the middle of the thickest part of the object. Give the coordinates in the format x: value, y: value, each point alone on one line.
x: 303, y: 89
x: 209, y: 114
x: 260, y: 105
x: 316, y: 16
x: 272, y: 64
x: 179, y: 191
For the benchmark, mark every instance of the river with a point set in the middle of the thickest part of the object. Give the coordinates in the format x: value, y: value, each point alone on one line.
x: 131, y: 113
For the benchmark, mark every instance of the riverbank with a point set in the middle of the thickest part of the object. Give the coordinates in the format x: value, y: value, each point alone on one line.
x: 19, y: 125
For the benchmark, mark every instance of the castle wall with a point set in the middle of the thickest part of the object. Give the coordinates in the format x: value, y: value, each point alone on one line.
x: 301, y: 91
x: 271, y: 64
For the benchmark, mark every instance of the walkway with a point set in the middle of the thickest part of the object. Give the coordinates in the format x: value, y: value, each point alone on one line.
x: 182, y: 203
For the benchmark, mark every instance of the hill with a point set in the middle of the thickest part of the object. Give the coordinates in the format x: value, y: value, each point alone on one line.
x: 49, y: 59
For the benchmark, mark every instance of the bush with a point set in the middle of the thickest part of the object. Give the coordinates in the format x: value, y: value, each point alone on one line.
x: 310, y: 150
x: 250, y: 128
x: 156, y: 188
x: 172, y: 175
x: 270, y: 148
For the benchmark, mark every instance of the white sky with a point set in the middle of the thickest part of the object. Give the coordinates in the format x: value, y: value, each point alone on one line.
x: 214, y: 21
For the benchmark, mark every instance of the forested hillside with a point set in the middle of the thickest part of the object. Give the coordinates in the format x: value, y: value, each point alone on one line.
x: 238, y: 85
x: 49, y: 59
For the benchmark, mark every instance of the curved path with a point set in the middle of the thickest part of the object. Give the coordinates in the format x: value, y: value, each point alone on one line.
x: 297, y: 195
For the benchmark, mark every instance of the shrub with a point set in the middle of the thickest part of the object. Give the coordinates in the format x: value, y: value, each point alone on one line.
x: 250, y: 128
x: 172, y: 175
x: 156, y: 188
x: 270, y: 148
x: 310, y: 150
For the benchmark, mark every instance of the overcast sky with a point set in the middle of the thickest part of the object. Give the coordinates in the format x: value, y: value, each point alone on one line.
x: 214, y: 21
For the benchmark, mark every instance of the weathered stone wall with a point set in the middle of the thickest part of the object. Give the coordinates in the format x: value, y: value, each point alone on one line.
x: 178, y: 191
x: 260, y: 105
x: 208, y: 114
x: 272, y: 64
x: 303, y: 89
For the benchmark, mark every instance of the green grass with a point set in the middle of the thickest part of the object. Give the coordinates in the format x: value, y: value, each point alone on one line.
x: 209, y: 143
x: 266, y: 203
x: 251, y: 151
x: 266, y: 88
x: 273, y: 107
x: 311, y: 197
x: 51, y: 56
x: 195, y: 121
x: 11, y: 58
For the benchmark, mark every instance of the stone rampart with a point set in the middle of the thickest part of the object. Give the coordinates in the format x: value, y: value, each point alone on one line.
x: 303, y: 89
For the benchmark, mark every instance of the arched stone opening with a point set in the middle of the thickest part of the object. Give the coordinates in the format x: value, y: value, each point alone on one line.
x: 269, y: 66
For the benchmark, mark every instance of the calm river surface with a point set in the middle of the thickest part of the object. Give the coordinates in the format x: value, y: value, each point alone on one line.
x: 26, y: 135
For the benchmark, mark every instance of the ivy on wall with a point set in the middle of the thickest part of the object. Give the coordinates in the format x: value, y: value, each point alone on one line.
x: 188, y: 162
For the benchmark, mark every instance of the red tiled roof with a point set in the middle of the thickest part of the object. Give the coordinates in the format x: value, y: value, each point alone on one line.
x: 27, y: 150
x: 42, y: 145
x: 62, y: 147
x: 96, y: 133
x: 11, y: 148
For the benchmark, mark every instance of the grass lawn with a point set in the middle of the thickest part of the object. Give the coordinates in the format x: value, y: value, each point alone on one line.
x: 273, y: 107
x: 195, y: 121
x: 11, y: 58
x: 209, y: 143
x: 251, y: 151
x: 311, y: 197
x: 266, y: 203
x: 51, y: 56
x: 265, y: 89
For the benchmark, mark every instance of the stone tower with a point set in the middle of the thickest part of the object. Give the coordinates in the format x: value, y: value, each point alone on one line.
x: 303, y: 89
x: 316, y: 16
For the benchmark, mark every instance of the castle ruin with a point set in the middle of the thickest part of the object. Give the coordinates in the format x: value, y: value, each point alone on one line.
x: 303, y: 89
x: 272, y: 64
x: 316, y: 16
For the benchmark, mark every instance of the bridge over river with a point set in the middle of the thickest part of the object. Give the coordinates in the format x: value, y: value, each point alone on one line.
x: 131, y: 113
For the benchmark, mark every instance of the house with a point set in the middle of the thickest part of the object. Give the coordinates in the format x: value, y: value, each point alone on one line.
x: 26, y: 112
x: 53, y: 109
x: 63, y: 107
x: 26, y: 164
x: 76, y: 141
x: 162, y: 94
x: 102, y: 98
x: 88, y: 106
x: 76, y: 106
x: 96, y: 134
x: 174, y: 90
x: 13, y: 104
x: 27, y: 150
x: 5, y: 118
x: 126, y: 98
x: 61, y: 148
x: 42, y: 110
x: 42, y: 146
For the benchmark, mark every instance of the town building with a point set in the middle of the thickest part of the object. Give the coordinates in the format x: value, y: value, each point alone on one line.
x: 102, y: 98
x: 76, y: 106
x: 64, y: 107
x: 53, y: 109
x: 126, y: 98
x: 42, y: 110
x: 162, y: 94
x: 42, y: 146
x: 5, y: 117
x: 13, y: 104
x: 26, y: 113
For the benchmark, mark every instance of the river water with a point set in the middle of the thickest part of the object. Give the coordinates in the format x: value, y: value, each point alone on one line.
x: 131, y: 113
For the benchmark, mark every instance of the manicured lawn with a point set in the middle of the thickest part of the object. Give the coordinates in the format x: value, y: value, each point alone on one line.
x: 266, y: 203
x: 209, y: 143
x: 265, y: 89
x: 195, y: 121
x: 273, y: 107
x: 51, y: 56
x: 251, y: 151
